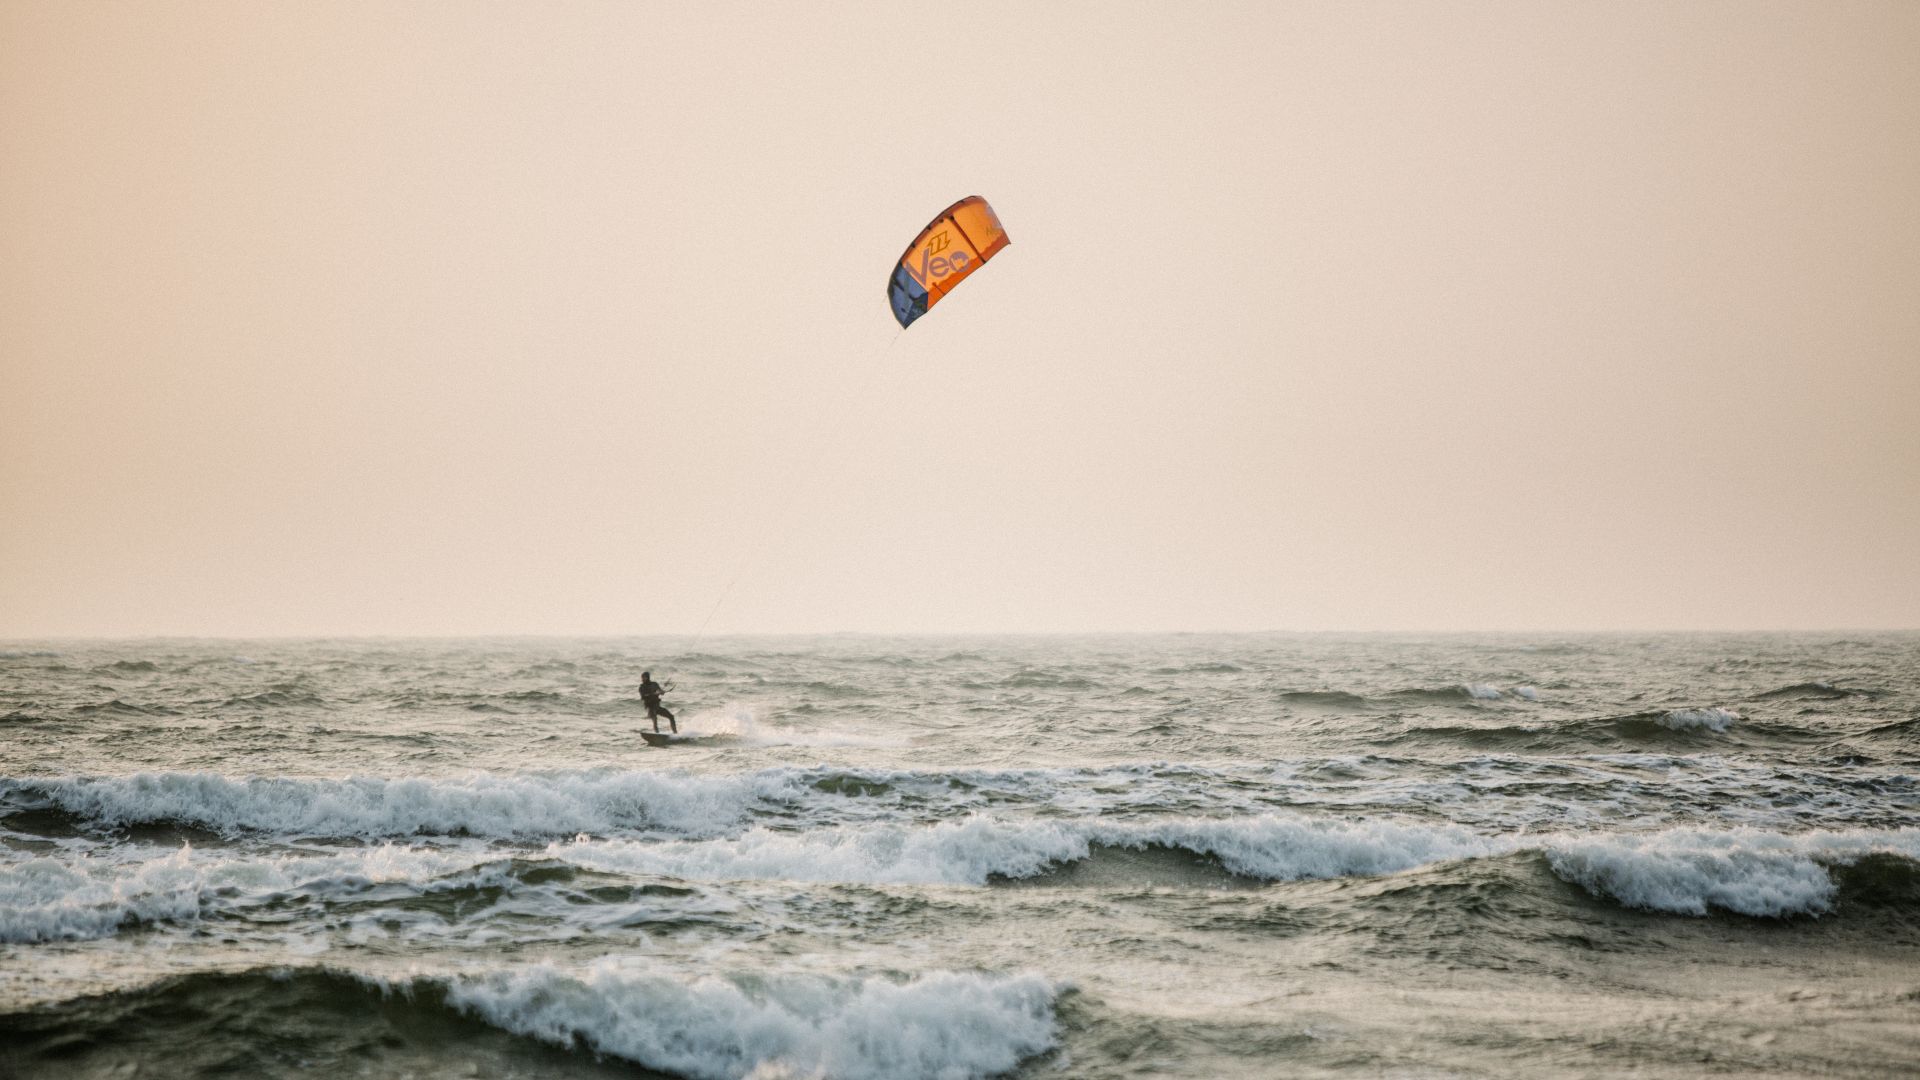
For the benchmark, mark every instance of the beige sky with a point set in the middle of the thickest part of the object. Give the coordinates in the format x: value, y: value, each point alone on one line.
x: 556, y: 318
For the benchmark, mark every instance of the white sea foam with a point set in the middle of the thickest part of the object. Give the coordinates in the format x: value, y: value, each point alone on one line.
x: 974, y: 849
x: 49, y: 900
x: 1714, y: 720
x: 516, y: 806
x: 1748, y: 871
x: 544, y: 806
x: 742, y: 721
x: 943, y: 1025
x: 1684, y: 870
x: 1482, y: 691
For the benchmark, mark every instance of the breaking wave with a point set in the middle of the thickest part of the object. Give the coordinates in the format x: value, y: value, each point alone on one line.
x: 1685, y: 871
x: 549, y: 805
x: 49, y: 900
x: 955, y: 1025
x: 1714, y: 720
x: 1745, y: 871
x: 1680, y: 871
x: 518, y: 806
x: 940, y: 1024
x: 980, y: 849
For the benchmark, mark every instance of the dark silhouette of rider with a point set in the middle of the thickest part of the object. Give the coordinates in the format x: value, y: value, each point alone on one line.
x: 650, y: 692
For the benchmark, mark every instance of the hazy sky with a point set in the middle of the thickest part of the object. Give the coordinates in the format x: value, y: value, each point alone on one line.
x: 422, y: 318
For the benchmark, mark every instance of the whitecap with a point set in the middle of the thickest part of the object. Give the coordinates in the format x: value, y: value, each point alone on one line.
x: 515, y: 806
x: 1749, y: 871
x: 948, y: 1025
x: 978, y: 848
x: 50, y: 900
x: 1715, y: 720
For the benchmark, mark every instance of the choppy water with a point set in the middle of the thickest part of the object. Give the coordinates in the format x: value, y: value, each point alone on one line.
x: 1186, y: 856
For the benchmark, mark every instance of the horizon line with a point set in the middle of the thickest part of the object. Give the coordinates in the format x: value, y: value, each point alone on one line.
x: 1272, y: 632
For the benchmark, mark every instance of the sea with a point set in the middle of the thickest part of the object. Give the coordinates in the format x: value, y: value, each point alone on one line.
x: 879, y: 858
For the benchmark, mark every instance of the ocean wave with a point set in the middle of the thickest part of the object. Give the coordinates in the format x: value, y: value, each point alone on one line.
x: 783, y: 1025
x: 124, y: 708
x: 952, y: 1025
x: 1496, y: 737
x: 980, y: 849
x: 1500, y: 783
x: 829, y: 689
x: 518, y: 806
x: 1685, y: 871
x: 1330, y: 699
x: 1041, y: 679
x: 45, y: 899
x: 1905, y: 730
x: 1818, y: 691
x: 1880, y: 879
x: 1681, y: 871
x: 1678, y: 727
x: 1199, y: 668
x: 534, y: 695
x: 48, y: 900
x: 1458, y: 694
x: 1145, y: 866
x: 543, y: 806
x: 1715, y: 720
x: 1747, y: 871
x: 1463, y: 692
x: 277, y: 697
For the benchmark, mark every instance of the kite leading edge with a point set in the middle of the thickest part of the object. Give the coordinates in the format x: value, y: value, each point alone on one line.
x: 955, y: 244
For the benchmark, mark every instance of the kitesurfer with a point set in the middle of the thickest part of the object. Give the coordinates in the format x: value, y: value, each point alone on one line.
x: 650, y: 692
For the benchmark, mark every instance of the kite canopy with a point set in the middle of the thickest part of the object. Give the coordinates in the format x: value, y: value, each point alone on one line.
x: 957, y: 243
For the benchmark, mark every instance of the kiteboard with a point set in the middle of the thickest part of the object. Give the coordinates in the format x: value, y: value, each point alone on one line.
x: 661, y: 738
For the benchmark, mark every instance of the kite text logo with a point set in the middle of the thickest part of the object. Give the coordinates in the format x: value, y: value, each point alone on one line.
x: 934, y: 266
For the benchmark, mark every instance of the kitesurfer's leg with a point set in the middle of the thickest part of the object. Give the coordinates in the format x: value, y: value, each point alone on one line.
x: 669, y: 715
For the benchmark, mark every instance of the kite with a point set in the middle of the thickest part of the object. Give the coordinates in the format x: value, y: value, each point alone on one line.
x: 957, y: 243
